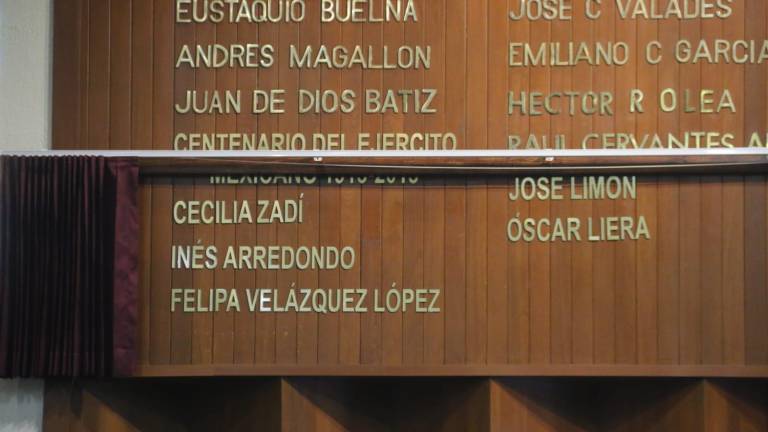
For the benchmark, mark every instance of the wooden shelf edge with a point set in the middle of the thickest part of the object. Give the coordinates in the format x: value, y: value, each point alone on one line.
x: 500, y: 371
x: 470, y: 165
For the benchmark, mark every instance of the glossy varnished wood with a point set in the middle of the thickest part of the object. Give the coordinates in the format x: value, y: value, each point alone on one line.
x: 691, y: 300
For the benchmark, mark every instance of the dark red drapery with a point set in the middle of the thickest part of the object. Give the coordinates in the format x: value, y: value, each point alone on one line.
x: 68, y: 266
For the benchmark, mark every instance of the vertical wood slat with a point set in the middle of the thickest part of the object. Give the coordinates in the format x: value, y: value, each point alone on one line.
x: 647, y: 206
x: 162, y: 195
x: 434, y: 200
x: 604, y: 253
x: 518, y: 278
x: 413, y: 333
x: 497, y: 297
x: 712, y: 304
x: 413, y: 272
x: 160, y: 279
x: 141, y: 133
x: 733, y: 271
x: 455, y: 272
x: 520, y: 286
x: 265, y: 350
x: 266, y: 323
x: 142, y: 70
x: 690, y: 219
x: 371, y: 264
x: 330, y: 202
x: 668, y: 259
x: 203, y: 324
x: 539, y: 267
x: 583, y: 321
x: 67, y: 28
x: 539, y: 285
x: 182, y: 323
x: 392, y: 272
x: 307, y: 334
x: 755, y: 280
x: 184, y: 190
x: 288, y: 343
x: 351, y: 213
x: 561, y: 280
x: 756, y: 112
x: 308, y: 234
x: 99, y: 75
x: 245, y: 320
x: 625, y: 277
x: 120, y: 103
x: 222, y: 350
x: 668, y: 220
x: 477, y: 189
x: 371, y: 276
x: 163, y: 74
x: 392, y: 215
x: 286, y: 326
x: 690, y: 271
x: 83, y: 76
x: 755, y: 108
x: 349, y: 323
x: 733, y: 213
x: 477, y: 272
x: 582, y: 293
x: 648, y: 274
x: 561, y: 288
x: 223, y: 325
x: 582, y: 252
x: 330, y: 235
x: 455, y: 194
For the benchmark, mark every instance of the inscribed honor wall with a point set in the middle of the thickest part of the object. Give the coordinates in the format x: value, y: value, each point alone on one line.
x: 263, y: 273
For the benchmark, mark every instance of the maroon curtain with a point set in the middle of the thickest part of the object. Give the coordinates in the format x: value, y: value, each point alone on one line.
x: 68, y: 266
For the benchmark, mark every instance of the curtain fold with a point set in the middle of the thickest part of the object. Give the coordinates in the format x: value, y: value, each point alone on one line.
x: 68, y: 266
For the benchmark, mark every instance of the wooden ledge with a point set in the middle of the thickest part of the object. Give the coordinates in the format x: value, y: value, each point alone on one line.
x: 614, y: 371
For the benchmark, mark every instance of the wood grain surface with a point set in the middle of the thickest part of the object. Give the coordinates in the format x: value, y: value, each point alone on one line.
x: 695, y: 295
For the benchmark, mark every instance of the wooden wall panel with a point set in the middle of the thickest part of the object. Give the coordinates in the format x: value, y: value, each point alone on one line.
x: 203, y: 327
x: 142, y: 73
x: 182, y: 325
x: 683, y: 298
x: 115, y: 81
x: 733, y: 273
x: 307, y: 337
x: 695, y: 294
x: 712, y: 271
